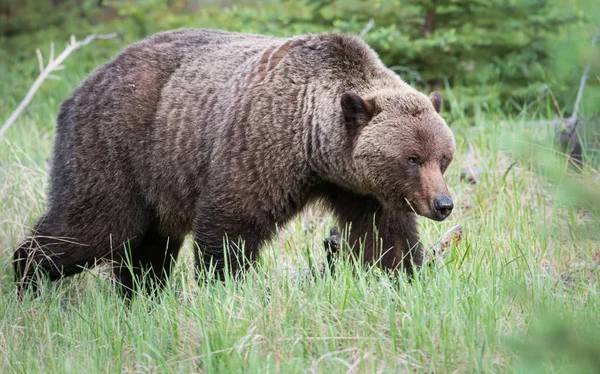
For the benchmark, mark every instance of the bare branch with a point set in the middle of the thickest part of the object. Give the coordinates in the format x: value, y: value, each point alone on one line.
x: 368, y: 27
x: 569, y: 124
x: 40, y: 60
x: 580, y: 91
x: 53, y: 65
x: 51, y: 53
x: 582, y: 82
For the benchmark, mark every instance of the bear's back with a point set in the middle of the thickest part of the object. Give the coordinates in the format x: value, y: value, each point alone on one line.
x: 134, y: 119
x: 161, y: 113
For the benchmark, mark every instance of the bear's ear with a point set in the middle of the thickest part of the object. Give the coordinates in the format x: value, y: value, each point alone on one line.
x: 436, y: 100
x: 357, y: 111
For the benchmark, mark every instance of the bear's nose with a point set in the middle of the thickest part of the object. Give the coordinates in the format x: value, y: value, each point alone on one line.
x: 443, y: 207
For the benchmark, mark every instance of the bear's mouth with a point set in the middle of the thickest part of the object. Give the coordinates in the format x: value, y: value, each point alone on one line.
x: 437, y: 216
x: 438, y: 212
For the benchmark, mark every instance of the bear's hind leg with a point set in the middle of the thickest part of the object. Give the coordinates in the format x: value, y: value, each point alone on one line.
x: 57, y: 249
x: 47, y: 253
x: 148, y: 262
x: 74, y: 235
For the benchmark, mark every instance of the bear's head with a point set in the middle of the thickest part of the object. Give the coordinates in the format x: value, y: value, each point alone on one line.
x: 401, y: 148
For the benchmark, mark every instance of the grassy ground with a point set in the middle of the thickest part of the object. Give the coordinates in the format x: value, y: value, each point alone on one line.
x: 518, y: 292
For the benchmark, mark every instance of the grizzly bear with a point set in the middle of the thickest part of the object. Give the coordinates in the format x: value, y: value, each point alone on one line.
x: 227, y: 136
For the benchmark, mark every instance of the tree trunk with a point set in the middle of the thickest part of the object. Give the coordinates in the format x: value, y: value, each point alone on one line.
x: 429, y: 25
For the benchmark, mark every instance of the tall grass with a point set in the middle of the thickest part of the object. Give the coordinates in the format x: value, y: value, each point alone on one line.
x: 522, y: 265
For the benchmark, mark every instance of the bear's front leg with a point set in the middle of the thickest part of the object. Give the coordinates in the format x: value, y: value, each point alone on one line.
x: 386, y: 238
x: 226, y: 242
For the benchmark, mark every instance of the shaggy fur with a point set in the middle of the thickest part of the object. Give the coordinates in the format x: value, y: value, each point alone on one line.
x: 229, y: 135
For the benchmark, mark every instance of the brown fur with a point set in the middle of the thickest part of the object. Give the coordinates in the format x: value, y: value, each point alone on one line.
x: 225, y: 134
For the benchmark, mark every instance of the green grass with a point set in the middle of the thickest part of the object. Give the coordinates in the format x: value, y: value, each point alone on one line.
x: 527, y: 260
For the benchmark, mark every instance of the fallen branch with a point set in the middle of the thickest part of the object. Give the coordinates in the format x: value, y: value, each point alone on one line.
x: 46, y: 72
x: 439, y: 250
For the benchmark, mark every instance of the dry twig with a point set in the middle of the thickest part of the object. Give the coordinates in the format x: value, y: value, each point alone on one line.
x: 566, y: 127
x: 571, y: 122
x: 46, y: 72
x: 439, y: 250
x: 368, y: 27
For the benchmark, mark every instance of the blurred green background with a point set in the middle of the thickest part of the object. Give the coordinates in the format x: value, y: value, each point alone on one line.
x: 504, y: 54
x: 505, y: 62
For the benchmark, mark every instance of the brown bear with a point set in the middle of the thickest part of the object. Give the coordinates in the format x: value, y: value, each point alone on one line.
x: 229, y: 135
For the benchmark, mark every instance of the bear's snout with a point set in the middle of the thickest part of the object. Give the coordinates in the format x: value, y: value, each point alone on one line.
x: 442, y: 207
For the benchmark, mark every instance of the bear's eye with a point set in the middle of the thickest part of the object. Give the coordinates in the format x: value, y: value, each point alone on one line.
x: 444, y: 164
x: 412, y: 160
